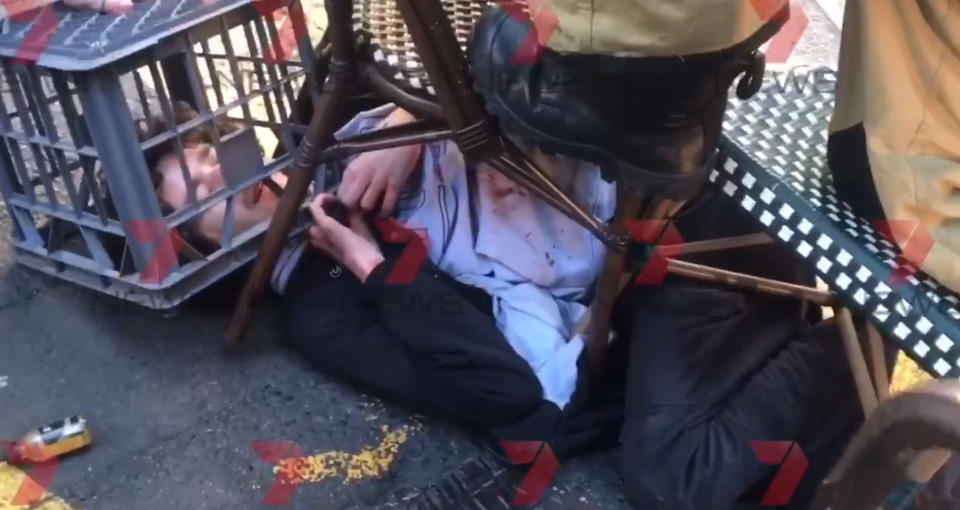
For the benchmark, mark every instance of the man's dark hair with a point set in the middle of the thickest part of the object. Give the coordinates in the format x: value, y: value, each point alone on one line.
x: 156, y: 125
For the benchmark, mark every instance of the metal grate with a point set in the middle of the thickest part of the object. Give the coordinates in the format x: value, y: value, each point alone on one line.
x: 774, y: 165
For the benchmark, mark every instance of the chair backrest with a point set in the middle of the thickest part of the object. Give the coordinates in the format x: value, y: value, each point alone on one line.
x: 381, y: 22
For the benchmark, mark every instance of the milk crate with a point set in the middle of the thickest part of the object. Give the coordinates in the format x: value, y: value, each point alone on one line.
x: 90, y: 102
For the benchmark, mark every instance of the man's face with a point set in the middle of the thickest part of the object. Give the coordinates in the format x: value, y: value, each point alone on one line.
x: 250, y: 207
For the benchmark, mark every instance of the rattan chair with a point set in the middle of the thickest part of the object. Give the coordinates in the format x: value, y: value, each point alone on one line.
x: 411, y: 53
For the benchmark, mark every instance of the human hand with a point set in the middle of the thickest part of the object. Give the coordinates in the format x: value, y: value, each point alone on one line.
x: 354, y: 247
x: 377, y: 177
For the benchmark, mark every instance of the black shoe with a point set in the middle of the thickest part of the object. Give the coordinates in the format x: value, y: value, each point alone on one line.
x: 656, y: 129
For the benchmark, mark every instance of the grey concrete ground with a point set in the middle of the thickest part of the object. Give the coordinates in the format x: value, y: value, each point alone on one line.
x: 174, y: 412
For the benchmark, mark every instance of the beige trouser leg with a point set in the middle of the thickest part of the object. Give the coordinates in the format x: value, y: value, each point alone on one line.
x: 900, y: 77
x: 649, y: 28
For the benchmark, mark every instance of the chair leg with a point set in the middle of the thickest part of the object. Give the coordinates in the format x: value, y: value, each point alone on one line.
x: 630, y: 206
x: 514, y: 164
x: 878, y: 362
x: 474, y: 134
x: 881, y: 467
x: 858, y: 364
x: 463, y: 111
x: 319, y: 132
x: 446, y: 65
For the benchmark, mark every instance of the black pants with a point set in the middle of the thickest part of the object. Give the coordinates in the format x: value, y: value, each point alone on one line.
x: 430, y: 345
x: 708, y: 371
x: 712, y: 370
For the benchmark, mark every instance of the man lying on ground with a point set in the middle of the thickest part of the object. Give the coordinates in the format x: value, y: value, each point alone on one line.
x: 481, y: 331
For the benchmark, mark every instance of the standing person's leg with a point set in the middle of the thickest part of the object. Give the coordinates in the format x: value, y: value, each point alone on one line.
x: 636, y: 89
x: 713, y: 370
x: 894, y: 136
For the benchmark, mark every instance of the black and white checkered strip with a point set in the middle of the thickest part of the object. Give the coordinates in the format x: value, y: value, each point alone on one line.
x: 391, y: 46
x: 792, y: 195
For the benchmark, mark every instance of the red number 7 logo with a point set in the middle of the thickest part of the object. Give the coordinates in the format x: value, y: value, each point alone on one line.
x: 38, y: 478
x: 544, y: 465
x: 413, y: 255
x: 793, y: 462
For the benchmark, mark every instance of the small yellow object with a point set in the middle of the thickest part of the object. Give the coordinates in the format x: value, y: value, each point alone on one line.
x: 53, y: 440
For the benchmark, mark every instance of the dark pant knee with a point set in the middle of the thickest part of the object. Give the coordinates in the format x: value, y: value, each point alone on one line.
x: 641, y: 487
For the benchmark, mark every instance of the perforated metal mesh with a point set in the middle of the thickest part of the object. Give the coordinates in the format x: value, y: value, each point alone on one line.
x: 776, y: 169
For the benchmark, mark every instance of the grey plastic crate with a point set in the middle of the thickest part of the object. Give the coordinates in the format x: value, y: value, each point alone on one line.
x: 73, y: 170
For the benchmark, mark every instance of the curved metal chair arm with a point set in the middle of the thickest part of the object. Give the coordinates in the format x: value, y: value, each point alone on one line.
x: 900, y: 447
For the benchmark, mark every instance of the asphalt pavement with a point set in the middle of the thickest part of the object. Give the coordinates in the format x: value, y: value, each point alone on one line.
x: 174, y: 412
x: 178, y: 418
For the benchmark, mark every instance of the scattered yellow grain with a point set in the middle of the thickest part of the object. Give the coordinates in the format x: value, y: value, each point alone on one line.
x: 367, y: 463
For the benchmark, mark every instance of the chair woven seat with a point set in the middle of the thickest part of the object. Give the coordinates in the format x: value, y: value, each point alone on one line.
x: 382, y: 26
